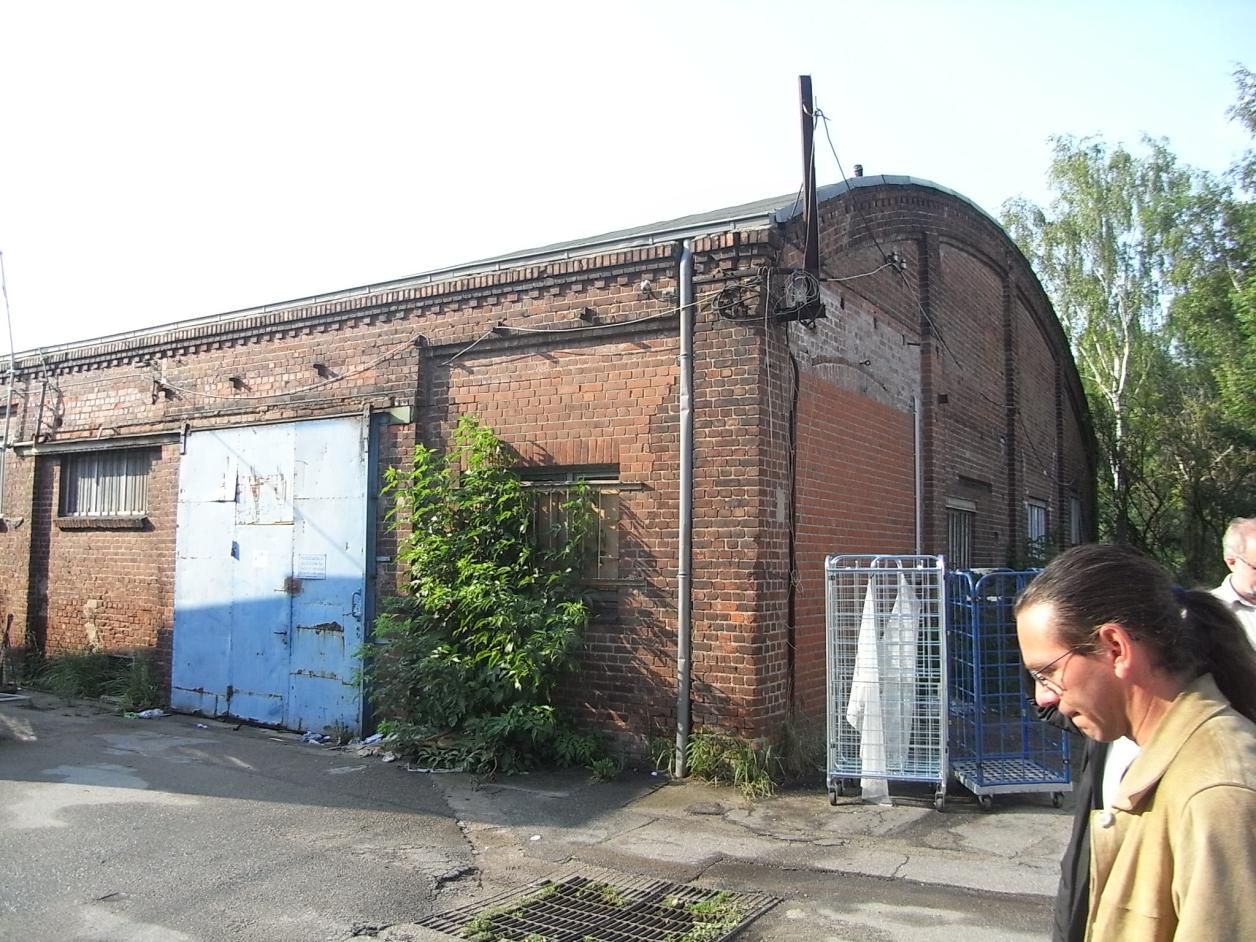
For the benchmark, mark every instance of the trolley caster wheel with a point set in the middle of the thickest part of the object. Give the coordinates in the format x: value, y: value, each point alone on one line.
x: 832, y: 796
x: 939, y: 801
x: 840, y: 790
x: 985, y: 802
x: 1057, y: 799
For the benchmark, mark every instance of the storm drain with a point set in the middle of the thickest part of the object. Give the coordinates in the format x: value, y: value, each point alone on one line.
x: 582, y: 909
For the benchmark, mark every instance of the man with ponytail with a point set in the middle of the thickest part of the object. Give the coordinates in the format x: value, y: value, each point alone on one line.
x: 1119, y: 650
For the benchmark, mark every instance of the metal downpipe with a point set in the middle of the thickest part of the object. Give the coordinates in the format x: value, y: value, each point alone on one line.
x: 919, y: 477
x: 684, y: 575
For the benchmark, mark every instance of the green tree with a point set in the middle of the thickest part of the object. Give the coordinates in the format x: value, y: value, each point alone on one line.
x: 1102, y: 250
x: 1213, y: 326
x: 1150, y: 265
x: 467, y: 659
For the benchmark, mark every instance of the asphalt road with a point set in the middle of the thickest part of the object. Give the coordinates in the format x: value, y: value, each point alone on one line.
x: 147, y: 830
x: 187, y: 830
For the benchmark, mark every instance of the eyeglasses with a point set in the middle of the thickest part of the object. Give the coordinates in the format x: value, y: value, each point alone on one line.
x: 1246, y: 563
x: 1039, y: 674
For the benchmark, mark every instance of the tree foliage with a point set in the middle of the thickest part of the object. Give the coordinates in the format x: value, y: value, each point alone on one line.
x: 1149, y: 264
x: 467, y: 658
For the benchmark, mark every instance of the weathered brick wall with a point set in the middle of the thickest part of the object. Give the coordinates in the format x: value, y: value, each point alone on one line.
x: 855, y: 482
x: 926, y: 298
x: 992, y: 364
x: 573, y: 362
x: 15, y: 554
x: 109, y: 589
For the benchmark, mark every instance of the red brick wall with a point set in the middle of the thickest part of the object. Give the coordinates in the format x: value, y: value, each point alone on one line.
x: 108, y: 589
x: 855, y: 486
x: 15, y: 553
x: 957, y: 325
x: 1000, y: 400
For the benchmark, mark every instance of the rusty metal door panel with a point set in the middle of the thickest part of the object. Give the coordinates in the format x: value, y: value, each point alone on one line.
x: 233, y: 553
x: 329, y: 571
x: 270, y: 573
x: 261, y: 614
x: 202, y: 623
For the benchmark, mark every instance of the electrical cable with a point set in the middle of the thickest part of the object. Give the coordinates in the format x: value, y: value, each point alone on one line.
x: 844, y: 278
x: 294, y: 392
x: 821, y: 116
x: 640, y: 320
x: 480, y: 339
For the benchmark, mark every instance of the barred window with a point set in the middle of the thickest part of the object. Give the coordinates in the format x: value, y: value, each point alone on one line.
x: 1035, y: 521
x: 105, y: 483
x: 960, y: 517
x: 1037, y: 543
x: 554, y: 488
x: 1075, y: 528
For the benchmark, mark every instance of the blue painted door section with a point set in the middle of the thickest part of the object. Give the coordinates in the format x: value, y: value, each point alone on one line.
x: 270, y: 573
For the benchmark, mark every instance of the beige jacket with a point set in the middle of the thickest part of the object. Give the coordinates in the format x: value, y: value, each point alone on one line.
x: 1175, y: 856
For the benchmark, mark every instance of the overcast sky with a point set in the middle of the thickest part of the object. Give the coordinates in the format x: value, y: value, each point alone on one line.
x: 170, y: 160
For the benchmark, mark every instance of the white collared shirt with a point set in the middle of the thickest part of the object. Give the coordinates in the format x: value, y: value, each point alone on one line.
x: 1244, y: 610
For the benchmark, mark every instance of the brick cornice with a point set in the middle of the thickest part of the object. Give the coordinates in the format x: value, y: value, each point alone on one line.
x: 343, y: 310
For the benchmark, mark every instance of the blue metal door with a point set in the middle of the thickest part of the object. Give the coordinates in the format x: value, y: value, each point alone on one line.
x: 270, y: 573
x: 329, y: 569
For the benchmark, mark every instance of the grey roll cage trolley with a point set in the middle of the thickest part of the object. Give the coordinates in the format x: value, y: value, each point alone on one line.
x: 925, y: 683
x: 886, y: 673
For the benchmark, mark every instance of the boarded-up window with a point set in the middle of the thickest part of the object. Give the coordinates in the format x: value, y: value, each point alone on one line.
x: 555, y: 488
x: 106, y: 483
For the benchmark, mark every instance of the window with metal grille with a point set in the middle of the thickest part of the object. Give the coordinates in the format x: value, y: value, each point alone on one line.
x: 554, y: 488
x: 959, y: 536
x: 1035, y: 520
x: 1037, y: 545
x: 105, y: 483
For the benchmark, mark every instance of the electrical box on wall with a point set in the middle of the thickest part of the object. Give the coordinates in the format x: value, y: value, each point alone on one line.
x: 799, y: 298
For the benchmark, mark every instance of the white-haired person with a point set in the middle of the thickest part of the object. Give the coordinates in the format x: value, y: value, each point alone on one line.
x: 1238, y: 591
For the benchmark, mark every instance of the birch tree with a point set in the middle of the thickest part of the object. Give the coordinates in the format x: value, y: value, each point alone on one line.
x: 1151, y: 266
x: 1102, y: 250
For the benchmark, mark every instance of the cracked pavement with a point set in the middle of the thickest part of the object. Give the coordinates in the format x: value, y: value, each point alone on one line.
x: 188, y: 829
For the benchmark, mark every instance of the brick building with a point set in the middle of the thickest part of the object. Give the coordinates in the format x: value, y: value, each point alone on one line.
x: 208, y: 488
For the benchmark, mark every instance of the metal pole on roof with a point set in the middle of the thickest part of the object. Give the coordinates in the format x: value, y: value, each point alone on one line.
x: 8, y: 389
x: 811, y: 258
x: 684, y: 574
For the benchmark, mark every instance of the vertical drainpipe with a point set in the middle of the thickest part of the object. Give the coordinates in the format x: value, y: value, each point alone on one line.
x: 920, y: 473
x: 684, y: 575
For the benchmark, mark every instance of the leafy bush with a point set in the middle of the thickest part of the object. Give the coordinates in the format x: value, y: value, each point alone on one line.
x: 465, y: 662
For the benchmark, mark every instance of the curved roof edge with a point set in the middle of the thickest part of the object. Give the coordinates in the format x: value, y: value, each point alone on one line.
x: 831, y: 190
x: 755, y: 215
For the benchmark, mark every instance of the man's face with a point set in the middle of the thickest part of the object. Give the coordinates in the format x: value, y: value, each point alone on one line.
x: 1081, y: 685
x: 1243, y: 570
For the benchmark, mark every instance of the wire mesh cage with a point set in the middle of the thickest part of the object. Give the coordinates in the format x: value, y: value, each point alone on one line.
x: 997, y: 743
x: 886, y: 666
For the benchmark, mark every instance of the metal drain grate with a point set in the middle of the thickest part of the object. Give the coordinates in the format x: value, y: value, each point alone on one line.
x: 582, y: 909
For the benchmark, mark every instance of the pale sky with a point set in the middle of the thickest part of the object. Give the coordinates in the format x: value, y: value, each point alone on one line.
x: 161, y: 161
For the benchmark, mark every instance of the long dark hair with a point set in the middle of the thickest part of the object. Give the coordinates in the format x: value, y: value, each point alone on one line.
x: 1190, y: 632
